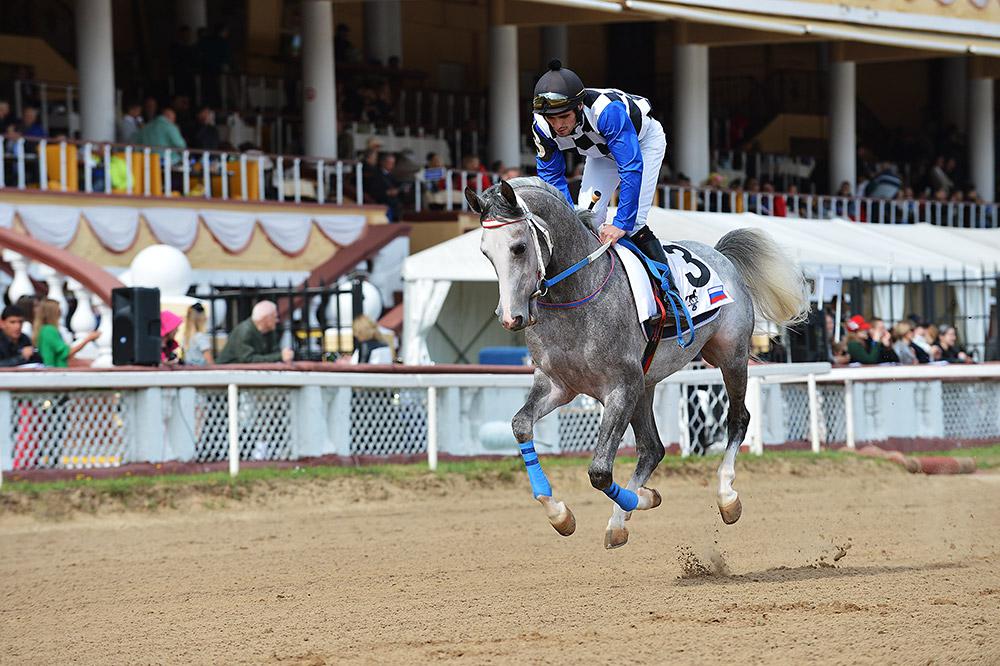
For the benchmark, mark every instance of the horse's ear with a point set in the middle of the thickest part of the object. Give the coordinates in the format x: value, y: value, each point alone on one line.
x: 508, y: 194
x: 475, y: 203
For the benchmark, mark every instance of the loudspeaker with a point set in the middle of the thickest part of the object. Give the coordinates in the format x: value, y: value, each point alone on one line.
x: 135, y: 326
x: 807, y: 341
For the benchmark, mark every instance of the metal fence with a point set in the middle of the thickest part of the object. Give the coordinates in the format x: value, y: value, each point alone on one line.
x: 819, y: 207
x: 70, y: 420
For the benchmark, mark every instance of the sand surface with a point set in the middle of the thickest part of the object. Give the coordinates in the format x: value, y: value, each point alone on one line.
x: 840, y: 564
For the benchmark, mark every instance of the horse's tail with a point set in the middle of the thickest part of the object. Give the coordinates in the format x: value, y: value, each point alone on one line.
x: 776, y: 284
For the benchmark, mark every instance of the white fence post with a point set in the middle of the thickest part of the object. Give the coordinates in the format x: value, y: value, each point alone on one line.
x: 6, y: 432
x: 755, y: 407
x: 432, y: 428
x: 849, y: 413
x: 234, y: 431
x: 813, y: 413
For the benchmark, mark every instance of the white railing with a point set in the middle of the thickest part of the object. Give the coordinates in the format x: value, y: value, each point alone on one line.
x: 59, y: 419
x: 82, y: 166
x: 57, y: 103
x: 445, y: 188
x: 817, y: 206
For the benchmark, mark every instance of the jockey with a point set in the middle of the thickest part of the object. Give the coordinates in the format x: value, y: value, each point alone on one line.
x: 623, y: 145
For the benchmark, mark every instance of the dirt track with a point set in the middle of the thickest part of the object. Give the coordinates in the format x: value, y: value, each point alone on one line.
x: 356, y: 571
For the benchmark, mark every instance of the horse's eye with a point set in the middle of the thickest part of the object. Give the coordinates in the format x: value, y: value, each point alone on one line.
x: 519, y: 249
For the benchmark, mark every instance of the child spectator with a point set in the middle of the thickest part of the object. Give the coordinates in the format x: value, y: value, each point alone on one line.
x: 169, y: 323
x: 197, y: 347
x: 52, y: 348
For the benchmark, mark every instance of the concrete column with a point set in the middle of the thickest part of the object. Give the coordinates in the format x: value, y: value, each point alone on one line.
x: 192, y: 13
x: 954, y: 91
x: 690, y: 131
x: 982, y: 165
x: 505, y: 116
x: 383, y: 30
x: 96, y: 69
x: 554, y: 44
x: 843, y: 141
x: 319, y: 106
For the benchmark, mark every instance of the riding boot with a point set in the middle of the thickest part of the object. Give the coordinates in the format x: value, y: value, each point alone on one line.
x: 650, y: 245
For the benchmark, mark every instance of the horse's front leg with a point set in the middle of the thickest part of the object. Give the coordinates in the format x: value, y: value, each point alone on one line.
x: 544, y: 396
x: 619, y: 405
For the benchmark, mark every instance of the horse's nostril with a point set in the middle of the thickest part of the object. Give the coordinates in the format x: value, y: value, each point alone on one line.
x: 517, y: 321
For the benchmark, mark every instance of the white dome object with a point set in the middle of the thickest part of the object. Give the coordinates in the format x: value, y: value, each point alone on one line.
x: 164, y: 267
x: 371, y: 304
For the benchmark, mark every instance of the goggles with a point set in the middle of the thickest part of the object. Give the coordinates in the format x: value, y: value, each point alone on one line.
x: 551, y: 101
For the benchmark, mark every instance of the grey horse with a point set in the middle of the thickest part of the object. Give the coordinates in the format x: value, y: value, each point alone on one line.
x: 530, y: 231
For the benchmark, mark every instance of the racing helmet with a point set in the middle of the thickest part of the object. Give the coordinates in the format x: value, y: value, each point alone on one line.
x: 558, y: 90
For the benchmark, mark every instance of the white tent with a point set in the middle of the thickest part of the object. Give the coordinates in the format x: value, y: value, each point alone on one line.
x: 450, y: 289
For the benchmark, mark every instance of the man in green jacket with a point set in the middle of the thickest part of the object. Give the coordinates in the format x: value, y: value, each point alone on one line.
x: 255, y: 340
x: 162, y: 132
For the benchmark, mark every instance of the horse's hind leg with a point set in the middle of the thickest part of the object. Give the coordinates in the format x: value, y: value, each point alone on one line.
x: 544, y: 396
x: 732, y: 360
x: 650, y: 450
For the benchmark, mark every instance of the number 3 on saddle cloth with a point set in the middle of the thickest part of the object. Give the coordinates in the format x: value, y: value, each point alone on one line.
x: 696, y: 301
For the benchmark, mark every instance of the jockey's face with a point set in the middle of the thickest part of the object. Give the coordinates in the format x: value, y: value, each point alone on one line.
x: 564, y: 123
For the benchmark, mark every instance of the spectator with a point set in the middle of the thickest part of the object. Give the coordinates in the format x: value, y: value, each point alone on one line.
x: 254, y: 340
x: 948, y: 344
x: 130, y: 123
x: 368, y: 338
x: 434, y: 172
x: 471, y: 165
x: 842, y: 208
x: 52, y: 348
x: 206, y: 134
x: 30, y: 124
x: 384, y: 188
x: 15, y: 346
x: 937, y: 178
x: 150, y: 109
x: 885, y: 184
x: 775, y: 202
x: 510, y: 173
x: 162, y: 132
x: 169, y: 323
x: 861, y: 347
x: 6, y: 119
x: 197, y: 347
x: 931, y: 336
x: 902, y: 343
x: 921, y: 348
x: 836, y: 351
x: 880, y: 334
x: 793, y: 203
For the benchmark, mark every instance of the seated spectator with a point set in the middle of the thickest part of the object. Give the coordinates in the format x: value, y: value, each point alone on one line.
x: 368, y: 338
x: 169, y: 323
x: 384, y: 188
x: 15, y: 346
x: 902, y: 343
x: 842, y: 208
x: 931, y: 336
x: 130, y: 123
x: 839, y: 354
x: 31, y: 125
x: 52, y: 348
x: 510, y: 173
x: 948, y: 344
x: 861, y: 347
x: 197, y: 347
x: 162, y: 132
x: 919, y: 345
x: 471, y: 165
x: 434, y: 172
x: 880, y: 333
x: 885, y: 184
x: 795, y: 205
x: 254, y: 340
x: 775, y: 201
x: 938, y: 178
x: 206, y: 134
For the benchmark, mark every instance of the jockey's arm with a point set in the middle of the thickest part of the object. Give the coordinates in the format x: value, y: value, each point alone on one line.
x: 550, y: 163
x: 617, y: 129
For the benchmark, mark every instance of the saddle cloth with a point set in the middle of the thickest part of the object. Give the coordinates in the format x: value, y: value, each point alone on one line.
x: 700, y: 287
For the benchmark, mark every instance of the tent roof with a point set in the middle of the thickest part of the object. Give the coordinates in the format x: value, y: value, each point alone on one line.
x: 868, y: 250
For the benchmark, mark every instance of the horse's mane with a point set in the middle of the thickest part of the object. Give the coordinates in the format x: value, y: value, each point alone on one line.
x: 585, y: 216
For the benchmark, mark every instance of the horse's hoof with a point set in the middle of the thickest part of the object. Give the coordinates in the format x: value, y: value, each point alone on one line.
x: 650, y: 497
x: 732, y: 511
x: 561, y: 518
x: 615, y: 537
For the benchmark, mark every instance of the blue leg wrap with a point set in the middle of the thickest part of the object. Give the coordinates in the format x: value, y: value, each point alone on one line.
x: 539, y: 483
x: 623, y: 497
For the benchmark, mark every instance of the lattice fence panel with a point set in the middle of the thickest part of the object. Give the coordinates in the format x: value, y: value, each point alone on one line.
x: 832, y: 418
x: 970, y: 410
x: 795, y: 408
x: 265, y: 418
x: 580, y: 424
x: 71, y: 430
x: 707, y: 409
x: 388, y: 421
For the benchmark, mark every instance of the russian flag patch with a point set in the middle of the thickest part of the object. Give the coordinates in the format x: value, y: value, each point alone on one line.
x: 716, y: 294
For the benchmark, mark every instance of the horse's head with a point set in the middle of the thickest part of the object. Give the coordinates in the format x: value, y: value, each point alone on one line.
x: 511, y: 244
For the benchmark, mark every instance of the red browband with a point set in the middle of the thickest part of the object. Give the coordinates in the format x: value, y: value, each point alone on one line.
x: 504, y: 223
